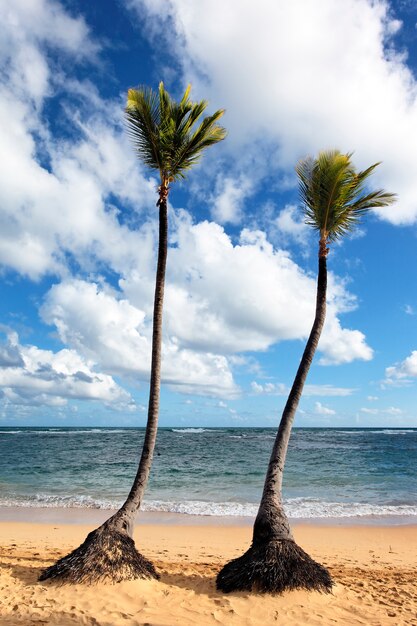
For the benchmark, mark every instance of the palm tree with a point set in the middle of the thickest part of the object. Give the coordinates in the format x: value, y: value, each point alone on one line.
x: 168, y: 139
x: 334, y: 199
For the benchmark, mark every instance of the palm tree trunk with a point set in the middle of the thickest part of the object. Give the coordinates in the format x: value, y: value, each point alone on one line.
x: 271, y: 519
x: 125, y: 517
x: 109, y: 552
x: 274, y: 562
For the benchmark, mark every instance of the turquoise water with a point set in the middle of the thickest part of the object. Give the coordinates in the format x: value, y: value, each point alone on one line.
x: 338, y: 473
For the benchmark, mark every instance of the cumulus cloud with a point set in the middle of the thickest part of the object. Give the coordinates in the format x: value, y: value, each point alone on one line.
x: 289, y: 224
x: 342, y: 345
x: 108, y: 329
x: 223, y: 296
x: 246, y: 296
x: 64, y: 205
x: 262, y: 297
x: 402, y: 373
x: 24, y: 27
x: 320, y: 409
x: 29, y: 375
x: 270, y: 87
x: 228, y: 202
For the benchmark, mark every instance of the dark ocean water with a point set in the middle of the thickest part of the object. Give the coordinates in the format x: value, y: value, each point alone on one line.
x: 342, y: 473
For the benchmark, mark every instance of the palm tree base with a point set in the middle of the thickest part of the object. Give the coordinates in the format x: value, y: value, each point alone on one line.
x: 274, y: 566
x: 107, y: 555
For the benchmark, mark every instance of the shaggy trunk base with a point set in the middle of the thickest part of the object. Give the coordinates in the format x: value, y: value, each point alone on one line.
x: 274, y: 566
x: 107, y: 554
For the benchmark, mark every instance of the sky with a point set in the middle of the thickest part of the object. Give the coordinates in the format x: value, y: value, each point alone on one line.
x: 78, y: 221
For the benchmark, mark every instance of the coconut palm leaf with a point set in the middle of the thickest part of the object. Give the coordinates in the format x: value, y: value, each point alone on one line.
x: 143, y: 117
x: 333, y: 194
x: 166, y: 133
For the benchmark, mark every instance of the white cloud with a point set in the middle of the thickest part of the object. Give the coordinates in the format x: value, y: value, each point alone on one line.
x: 401, y: 373
x: 270, y: 88
x: 62, y: 207
x: 227, y: 204
x: 24, y: 27
x: 262, y: 296
x: 320, y: 409
x: 409, y: 310
x: 117, y: 335
x: 370, y: 411
x: 391, y: 410
x: 274, y: 389
x: 279, y: 389
x: 65, y: 209
x: 342, y: 345
x: 290, y: 225
x: 29, y: 375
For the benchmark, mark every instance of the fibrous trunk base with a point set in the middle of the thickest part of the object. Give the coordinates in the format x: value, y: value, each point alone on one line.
x: 274, y: 566
x: 107, y: 554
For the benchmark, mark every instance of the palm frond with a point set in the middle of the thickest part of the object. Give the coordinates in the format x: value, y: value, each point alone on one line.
x: 190, y: 151
x: 166, y: 133
x: 333, y: 194
x: 143, y: 121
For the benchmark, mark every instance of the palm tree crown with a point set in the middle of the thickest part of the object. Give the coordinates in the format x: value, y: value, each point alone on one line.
x: 164, y: 131
x: 333, y: 194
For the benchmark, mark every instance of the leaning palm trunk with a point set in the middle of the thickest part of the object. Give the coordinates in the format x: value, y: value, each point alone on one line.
x: 109, y: 552
x: 332, y: 193
x: 274, y: 562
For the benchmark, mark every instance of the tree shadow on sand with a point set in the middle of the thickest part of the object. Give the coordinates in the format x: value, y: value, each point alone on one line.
x: 197, y: 580
x: 27, y: 574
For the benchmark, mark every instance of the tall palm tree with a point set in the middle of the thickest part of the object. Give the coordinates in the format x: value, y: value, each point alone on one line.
x: 169, y: 137
x: 334, y: 199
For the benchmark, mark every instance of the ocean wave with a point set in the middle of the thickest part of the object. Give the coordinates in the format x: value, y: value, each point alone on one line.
x: 380, y: 431
x: 260, y: 436
x: 61, y: 431
x: 59, y: 502
x: 296, y: 508
x: 190, y: 430
x: 306, y: 508
x: 396, y: 431
x: 10, y: 432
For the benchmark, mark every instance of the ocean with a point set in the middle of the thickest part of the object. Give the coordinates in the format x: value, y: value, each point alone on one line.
x: 345, y: 473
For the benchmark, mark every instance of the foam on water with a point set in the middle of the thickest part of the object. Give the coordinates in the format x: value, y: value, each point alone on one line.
x: 296, y: 508
x: 10, y: 432
x: 190, y: 431
x: 381, y: 431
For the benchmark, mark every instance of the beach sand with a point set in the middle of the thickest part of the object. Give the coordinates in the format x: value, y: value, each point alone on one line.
x: 374, y: 567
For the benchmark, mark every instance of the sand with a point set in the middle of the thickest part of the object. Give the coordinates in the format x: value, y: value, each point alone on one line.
x: 374, y: 567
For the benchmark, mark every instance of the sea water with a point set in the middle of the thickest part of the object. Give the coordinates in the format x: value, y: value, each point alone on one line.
x: 329, y: 473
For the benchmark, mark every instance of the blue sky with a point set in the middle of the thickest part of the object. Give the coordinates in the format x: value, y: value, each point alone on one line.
x: 78, y: 217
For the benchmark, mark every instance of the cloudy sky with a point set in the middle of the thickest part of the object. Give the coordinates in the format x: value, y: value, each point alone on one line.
x: 78, y: 218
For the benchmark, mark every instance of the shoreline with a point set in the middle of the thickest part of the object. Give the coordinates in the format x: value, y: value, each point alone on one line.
x: 373, y: 568
x: 87, y: 516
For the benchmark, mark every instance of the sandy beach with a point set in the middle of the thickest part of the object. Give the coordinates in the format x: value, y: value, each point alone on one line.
x: 374, y: 568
